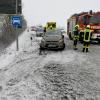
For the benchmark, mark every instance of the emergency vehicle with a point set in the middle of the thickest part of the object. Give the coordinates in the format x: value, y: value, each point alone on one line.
x: 83, y: 19
x: 50, y: 25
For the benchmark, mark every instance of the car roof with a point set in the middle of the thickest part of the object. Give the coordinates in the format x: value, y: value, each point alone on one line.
x: 53, y: 32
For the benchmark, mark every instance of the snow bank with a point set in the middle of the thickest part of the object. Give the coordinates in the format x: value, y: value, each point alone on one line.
x: 10, y: 52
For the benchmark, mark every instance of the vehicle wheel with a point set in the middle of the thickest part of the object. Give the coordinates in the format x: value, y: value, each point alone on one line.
x: 42, y: 48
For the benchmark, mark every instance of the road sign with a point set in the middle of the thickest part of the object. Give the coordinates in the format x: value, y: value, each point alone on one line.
x: 16, y: 21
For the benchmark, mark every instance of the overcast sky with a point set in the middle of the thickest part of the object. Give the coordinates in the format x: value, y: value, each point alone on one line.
x: 41, y: 11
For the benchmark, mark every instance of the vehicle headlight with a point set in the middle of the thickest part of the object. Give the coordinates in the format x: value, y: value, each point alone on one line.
x: 42, y: 40
x: 61, y: 40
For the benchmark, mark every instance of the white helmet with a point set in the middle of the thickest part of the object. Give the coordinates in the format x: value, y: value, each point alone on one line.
x: 88, y: 26
x: 77, y: 26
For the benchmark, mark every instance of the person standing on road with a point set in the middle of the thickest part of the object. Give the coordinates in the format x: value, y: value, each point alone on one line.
x: 76, y: 36
x: 86, y: 38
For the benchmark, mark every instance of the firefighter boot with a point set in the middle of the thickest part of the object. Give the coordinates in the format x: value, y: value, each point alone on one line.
x: 86, y: 49
x: 83, y: 50
x: 75, y: 47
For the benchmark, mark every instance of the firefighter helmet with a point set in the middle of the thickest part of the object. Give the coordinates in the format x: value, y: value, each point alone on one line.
x: 77, y: 26
x: 88, y: 26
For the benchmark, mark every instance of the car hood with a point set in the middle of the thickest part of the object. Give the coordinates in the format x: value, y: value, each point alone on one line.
x: 52, y: 38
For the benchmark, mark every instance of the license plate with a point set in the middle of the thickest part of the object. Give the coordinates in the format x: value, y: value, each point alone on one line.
x: 51, y: 45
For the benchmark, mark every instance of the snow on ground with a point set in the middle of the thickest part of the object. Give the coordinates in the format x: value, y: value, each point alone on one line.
x: 10, y: 52
x: 54, y: 75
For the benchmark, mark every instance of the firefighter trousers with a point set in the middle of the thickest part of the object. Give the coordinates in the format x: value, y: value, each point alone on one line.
x: 75, y: 43
x: 85, y: 46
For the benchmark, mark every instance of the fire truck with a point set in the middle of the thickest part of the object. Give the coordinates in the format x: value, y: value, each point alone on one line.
x: 83, y: 19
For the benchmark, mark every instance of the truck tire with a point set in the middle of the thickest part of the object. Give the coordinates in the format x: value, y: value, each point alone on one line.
x: 41, y: 48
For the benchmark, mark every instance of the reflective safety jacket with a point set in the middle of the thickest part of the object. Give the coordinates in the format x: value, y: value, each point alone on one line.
x: 87, y: 35
x: 76, y: 34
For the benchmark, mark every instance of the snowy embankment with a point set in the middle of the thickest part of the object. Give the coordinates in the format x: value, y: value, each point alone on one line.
x: 9, y: 54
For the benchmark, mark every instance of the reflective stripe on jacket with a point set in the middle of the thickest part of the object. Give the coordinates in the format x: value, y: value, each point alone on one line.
x: 87, y: 34
x: 76, y: 34
x: 76, y: 37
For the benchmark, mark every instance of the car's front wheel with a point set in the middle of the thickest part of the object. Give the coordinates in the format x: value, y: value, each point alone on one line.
x: 42, y: 48
x: 63, y: 47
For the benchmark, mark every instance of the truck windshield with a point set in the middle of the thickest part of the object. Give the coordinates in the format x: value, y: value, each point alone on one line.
x: 85, y: 19
x: 95, y: 19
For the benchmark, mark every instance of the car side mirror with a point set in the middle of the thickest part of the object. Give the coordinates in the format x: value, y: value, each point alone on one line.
x: 62, y: 36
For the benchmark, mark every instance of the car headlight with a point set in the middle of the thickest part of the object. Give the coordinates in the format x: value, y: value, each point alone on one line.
x: 43, y: 40
x: 61, y: 40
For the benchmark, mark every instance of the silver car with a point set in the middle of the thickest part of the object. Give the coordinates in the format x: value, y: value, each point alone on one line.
x: 52, y: 39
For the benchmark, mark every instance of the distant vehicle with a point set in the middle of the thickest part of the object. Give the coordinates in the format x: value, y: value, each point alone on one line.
x: 83, y: 19
x: 33, y: 28
x: 52, y: 39
x: 39, y: 32
x: 50, y: 25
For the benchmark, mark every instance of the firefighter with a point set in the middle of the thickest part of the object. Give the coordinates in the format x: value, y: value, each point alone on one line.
x: 86, y: 38
x: 76, y: 36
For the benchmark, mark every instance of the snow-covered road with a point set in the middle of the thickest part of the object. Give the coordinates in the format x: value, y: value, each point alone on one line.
x: 54, y: 75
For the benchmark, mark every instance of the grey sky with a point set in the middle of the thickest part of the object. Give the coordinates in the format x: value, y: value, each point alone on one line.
x: 41, y: 11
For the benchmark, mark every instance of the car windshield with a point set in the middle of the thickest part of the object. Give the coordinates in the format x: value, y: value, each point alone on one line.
x: 95, y: 19
x: 53, y: 33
